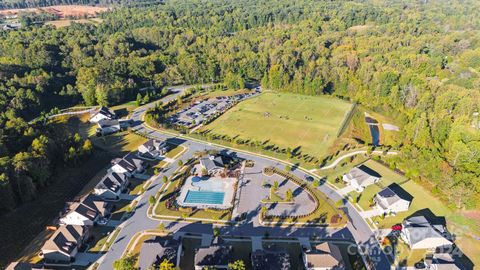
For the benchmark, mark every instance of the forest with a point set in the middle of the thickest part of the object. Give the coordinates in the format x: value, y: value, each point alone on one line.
x: 417, y: 61
x: 12, y: 4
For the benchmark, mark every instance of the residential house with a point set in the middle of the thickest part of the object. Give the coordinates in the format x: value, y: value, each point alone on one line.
x: 216, y: 256
x: 324, y: 256
x: 153, y: 149
x: 63, y: 246
x: 392, y: 199
x: 86, y: 211
x: 130, y: 165
x: 419, y: 233
x: 111, y: 185
x: 212, y: 164
x: 361, y: 177
x: 155, y: 251
x: 106, y: 127
x: 442, y: 261
x: 271, y: 260
x: 103, y: 114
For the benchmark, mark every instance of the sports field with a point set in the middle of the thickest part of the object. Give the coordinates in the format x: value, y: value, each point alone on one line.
x: 308, y: 124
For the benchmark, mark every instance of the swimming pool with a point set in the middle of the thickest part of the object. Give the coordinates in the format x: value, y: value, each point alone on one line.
x: 205, y: 197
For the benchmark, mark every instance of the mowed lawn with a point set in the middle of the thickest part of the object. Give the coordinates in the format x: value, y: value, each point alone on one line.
x: 286, y: 120
x: 422, y: 199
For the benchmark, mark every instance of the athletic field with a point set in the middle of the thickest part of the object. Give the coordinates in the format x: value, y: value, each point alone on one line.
x: 286, y: 120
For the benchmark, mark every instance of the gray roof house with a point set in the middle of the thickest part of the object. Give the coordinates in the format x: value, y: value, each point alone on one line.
x: 155, y: 251
x: 392, y: 199
x: 103, y: 114
x: 324, y: 256
x: 106, y: 127
x: 153, y: 149
x: 85, y: 212
x: 130, y: 165
x: 419, y: 233
x: 218, y: 256
x: 271, y: 260
x: 111, y: 185
x: 63, y: 246
x: 213, y: 164
x: 361, y: 177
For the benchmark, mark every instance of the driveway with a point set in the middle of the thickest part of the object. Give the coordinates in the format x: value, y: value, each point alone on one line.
x: 344, y: 191
x: 370, y: 213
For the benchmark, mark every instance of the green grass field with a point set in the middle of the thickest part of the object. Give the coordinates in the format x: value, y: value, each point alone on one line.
x: 307, y: 123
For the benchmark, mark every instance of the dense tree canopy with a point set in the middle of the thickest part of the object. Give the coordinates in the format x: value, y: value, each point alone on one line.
x: 7, y: 4
x: 415, y: 60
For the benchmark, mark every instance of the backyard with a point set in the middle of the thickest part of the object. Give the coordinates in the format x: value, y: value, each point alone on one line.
x: 284, y: 120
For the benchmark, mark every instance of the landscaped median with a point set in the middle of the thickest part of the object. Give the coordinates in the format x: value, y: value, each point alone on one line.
x: 165, y: 207
x: 324, y: 214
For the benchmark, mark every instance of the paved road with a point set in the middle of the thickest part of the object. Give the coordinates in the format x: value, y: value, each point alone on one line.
x: 357, y: 229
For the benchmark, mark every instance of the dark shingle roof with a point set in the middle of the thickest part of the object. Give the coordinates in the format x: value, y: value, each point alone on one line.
x: 211, y: 163
x: 214, y: 255
x: 65, y: 239
x: 270, y: 260
x: 155, y: 251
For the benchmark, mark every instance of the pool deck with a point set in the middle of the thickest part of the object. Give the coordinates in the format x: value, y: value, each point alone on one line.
x: 211, y: 184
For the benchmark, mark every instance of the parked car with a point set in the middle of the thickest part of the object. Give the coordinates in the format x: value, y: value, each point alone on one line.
x: 102, y: 221
x: 397, y: 227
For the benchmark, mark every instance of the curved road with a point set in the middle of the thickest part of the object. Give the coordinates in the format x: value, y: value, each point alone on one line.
x: 357, y: 229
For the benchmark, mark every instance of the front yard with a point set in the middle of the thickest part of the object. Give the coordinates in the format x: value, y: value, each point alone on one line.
x: 99, y: 236
x: 120, y: 208
x: 175, y: 151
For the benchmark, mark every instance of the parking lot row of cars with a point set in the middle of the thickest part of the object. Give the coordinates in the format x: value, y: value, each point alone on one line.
x: 199, y: 111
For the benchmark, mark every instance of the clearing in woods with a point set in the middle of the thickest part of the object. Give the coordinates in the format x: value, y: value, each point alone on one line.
x: 308, y: 124
x: 63, y: 11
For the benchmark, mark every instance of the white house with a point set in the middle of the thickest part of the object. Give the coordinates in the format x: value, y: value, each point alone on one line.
x: 324, y: 256
x: 111, y: 185
x: 419, y: 233
x: 361, y: 177
x: 212, y: 164
x: 103, y: 114
x: 153, y: 149
x: 129, y: 165
x: 85, y: 212
x: 63, y: 246
x: 391, y: 201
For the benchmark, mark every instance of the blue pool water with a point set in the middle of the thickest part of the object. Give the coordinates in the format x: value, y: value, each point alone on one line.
x: 206, y: 197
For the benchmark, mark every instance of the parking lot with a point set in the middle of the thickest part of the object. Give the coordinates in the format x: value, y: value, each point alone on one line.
x: 199, y: 111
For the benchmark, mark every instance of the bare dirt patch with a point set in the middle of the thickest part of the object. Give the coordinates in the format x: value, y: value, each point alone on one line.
x: 65, y: 11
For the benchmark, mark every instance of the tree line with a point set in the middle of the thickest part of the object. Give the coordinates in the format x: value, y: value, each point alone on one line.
x: 14, y: 4
x: 416, y: 61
